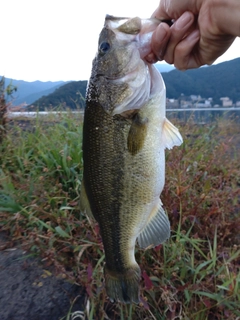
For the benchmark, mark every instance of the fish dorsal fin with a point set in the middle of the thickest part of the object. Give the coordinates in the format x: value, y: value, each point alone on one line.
x: 170, y: 135
x: 157, y: 229
x: 84, y: 203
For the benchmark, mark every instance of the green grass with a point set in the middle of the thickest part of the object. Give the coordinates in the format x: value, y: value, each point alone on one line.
x: 195, y: 275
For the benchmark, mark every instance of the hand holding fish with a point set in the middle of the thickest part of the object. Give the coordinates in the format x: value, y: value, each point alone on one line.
x: 202, y: 31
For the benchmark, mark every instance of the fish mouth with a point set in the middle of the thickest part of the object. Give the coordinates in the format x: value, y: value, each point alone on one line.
x: 99, y: 75
x: 123, y: 78
x: 119, y: 78
x: 125, y: 74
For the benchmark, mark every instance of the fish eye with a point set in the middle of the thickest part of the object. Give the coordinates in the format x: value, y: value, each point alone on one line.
x: 104, y: 47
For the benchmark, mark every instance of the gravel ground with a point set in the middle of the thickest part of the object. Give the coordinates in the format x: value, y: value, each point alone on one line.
x: 29, y: 291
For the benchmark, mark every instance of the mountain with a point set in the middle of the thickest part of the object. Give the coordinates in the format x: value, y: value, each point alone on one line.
x: 28, y: 92
x: 70, y: 95
x: 214, y: 81
x: 29, y: 99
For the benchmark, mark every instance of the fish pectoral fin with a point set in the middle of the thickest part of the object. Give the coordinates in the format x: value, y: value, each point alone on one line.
x: 157, y: 229
x: 137, y: 134
x: 170, y: 135
x: 84, y: 203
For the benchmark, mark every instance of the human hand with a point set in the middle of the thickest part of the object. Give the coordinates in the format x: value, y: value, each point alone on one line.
x: 203, y: 30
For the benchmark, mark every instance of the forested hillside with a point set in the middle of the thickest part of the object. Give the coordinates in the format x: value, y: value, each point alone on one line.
x: 214, y: 81
x: 70, y: 95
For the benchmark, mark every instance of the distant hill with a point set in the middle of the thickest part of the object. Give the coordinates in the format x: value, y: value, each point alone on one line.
x: 36, y: 95
x: 70, y: 95
x: 28, y: 92
x: 214, y: 81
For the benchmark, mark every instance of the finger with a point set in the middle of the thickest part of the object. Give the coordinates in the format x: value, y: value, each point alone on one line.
x: 195, y: 51
x: 173, y: 9
x: 185, y: 57
x: 160, y: 13
x: 151, y: 58
x: 160, y: 40
x: 179, y: 30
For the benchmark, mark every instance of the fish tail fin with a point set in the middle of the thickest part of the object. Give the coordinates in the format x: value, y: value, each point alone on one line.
x: 123, y: 286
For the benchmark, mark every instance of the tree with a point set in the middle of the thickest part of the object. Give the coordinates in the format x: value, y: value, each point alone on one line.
x: 4, y: 92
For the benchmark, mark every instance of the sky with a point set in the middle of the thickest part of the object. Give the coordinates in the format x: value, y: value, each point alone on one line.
x: 53, y: 40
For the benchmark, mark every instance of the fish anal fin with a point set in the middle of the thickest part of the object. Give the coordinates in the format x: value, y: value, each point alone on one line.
x: 123, y: 286
x: 84, y: 203
x: 157, y: 229
x: 170, y: 135
x: 137, y: 134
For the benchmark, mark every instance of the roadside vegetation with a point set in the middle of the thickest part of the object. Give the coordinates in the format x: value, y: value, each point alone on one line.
x: 195, y: 275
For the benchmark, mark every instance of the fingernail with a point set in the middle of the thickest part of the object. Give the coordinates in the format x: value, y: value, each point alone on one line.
x: 185, y: 18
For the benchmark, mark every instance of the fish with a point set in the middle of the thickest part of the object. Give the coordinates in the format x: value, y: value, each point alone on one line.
x: 125, y: 133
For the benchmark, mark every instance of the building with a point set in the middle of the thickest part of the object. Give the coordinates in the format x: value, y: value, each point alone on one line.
x: 238, y: 104
x: 172, y: 103
x: 226, y: 102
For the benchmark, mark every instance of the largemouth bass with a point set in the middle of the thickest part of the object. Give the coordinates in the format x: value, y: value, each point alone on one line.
x: 125, y: 133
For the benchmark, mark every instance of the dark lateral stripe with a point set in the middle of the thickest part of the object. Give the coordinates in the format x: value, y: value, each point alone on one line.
x: 103, y: 175
x: 117, y: 173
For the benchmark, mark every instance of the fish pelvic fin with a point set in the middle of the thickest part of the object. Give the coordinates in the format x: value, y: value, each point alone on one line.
x: 170, y: 136
x: 84, y: 203
x: 123, y: 287
x: 157, y: 229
